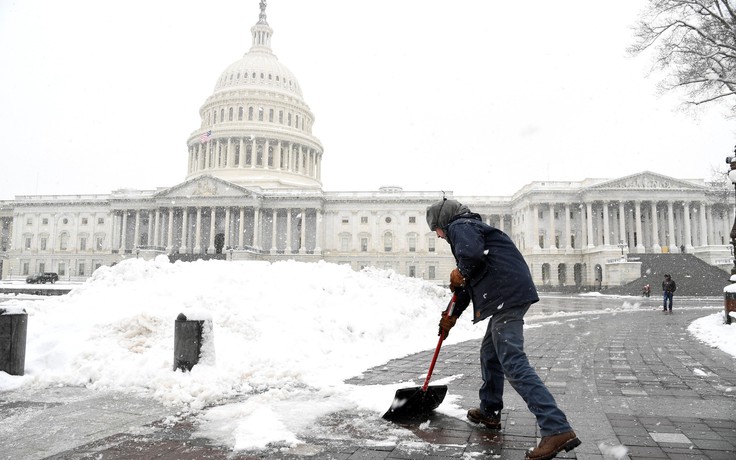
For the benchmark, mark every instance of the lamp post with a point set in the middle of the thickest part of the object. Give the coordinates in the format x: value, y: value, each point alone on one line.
x: 621, y: 245
x: 729, y: 293
x: 137, y: 251
x: 732, y: 178
x: 231, y: 253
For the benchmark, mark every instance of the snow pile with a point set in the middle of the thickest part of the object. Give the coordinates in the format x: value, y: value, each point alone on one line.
x: 284, y: 333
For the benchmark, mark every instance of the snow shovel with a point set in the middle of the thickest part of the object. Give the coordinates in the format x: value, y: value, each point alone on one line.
x: 416, y: 401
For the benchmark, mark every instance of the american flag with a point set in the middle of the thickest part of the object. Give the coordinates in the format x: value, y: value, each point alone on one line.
x: 205, y: 137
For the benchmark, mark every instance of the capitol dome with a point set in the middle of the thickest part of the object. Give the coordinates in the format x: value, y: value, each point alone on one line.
x: 256, y: 128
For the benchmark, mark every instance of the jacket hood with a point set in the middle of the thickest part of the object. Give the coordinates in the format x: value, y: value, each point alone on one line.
x: 440, y: 213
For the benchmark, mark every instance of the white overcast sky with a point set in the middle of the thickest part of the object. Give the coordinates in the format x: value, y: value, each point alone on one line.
x: 476, y: 97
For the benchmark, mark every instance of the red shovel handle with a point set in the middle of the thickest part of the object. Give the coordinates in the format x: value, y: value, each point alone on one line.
x: 448, y: 311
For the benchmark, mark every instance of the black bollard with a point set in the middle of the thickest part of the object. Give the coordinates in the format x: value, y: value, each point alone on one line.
x: 13, y: 328
x: 187, y: 342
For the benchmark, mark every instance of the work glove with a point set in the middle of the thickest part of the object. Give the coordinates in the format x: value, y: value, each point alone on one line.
x: 456, y: 280
x: 446, y: 323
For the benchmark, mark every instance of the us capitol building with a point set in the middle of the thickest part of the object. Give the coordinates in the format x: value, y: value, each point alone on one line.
x: 253, y: 191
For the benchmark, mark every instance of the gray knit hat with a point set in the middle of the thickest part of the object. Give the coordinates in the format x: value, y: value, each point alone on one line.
x: 440, y: 213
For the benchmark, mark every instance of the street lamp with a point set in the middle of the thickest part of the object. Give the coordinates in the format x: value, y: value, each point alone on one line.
x: 231, y: 253
x: 732, y: 178
x: 137, y: 251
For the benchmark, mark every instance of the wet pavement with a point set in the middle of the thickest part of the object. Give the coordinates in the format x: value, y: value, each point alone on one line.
x: 633, y: 383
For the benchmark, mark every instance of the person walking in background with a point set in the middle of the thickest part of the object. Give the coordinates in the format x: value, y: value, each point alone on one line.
x: 494, y: 275
x: 668, y: 289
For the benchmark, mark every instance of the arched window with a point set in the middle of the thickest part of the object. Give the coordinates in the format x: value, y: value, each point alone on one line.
x: 240, y: 113
x: 388, y: 241
x: 222, y: 114
x: 250, y: 112
x: 230, y: 114
x: 63, y: 241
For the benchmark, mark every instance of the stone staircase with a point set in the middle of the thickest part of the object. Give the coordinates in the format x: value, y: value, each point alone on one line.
x: 693, y: 276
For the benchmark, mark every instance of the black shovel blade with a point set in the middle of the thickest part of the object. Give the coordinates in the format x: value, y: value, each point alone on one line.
x: 413, y: 402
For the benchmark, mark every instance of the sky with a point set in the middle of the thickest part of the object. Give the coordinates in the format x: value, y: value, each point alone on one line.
x: 474, y: 97
x: 123, y: 316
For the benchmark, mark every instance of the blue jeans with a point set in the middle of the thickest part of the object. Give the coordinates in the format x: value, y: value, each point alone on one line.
x: 667, y: 299
x: 502, y: 354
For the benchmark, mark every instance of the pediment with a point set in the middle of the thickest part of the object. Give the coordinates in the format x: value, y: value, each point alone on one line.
x: 647, y: 181
x: 205, y: 186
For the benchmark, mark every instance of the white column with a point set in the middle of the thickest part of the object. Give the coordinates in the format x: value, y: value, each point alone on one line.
x: 241, y: 160
x: 535, y: 226
x: 703, y: 226
x: 568, y: 228
x: 671, y: 241
x: 500, y: 223
x: 622, y: 222
x: 303, y: 244
x: 213, y: 218
x: 257, y: 227
x: 149, y: 242
x: 277, y: 156
x: 253, y: 152
x: 170, y: 232
x: 274, y: 219
x: 241, y: 223
x: 137, y: 232
x: 688, y: 231
x: 230, y: 155
x: 655, y: 229
x: 183, y: 247
x: 156, y: 227
x: 288, y: 230
x: 198, y: 232
x: 228, y: 239
x: 318, y: 232
x: 606, y: 226
x: 124, y: 228
x: 552, y: 244
x: 637, y: 224
x: 589, y: 224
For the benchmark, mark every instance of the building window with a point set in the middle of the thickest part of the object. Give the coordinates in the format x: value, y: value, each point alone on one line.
x: 222, y: 114
x: 364, y: 219
x: 345, y: 220
x: 65, y: 221
x: 281, y: 117
x: 412, y: 243
x: 288, y: 119
x: 80, y: 269
x: 45, y: 221
x: 29, y: 221
x: 240, y: 113
x: 270, y: 115
x: 83, y: 243
x: 24, y: 268
x: 364, y: 244
x: 344, y: 243
x: 388, y: 242
x: 100, y: 220
x: 431, y: 272
x: 250, y: 112
x: 230, y: 114
x: 260, y: 113
x: 431, y: 244
x: 28, y: 242
x: 42, y: 244
x: 412, y: 271
x: 388, y: 220
x: 61, y: 269
x: 412, y: 219
x: 84, y: 221
x: 541, y: 241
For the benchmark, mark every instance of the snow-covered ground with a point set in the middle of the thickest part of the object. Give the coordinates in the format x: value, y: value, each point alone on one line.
x: 285, y: 337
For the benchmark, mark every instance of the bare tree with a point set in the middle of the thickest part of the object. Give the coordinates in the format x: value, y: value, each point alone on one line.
x: 695, y: 43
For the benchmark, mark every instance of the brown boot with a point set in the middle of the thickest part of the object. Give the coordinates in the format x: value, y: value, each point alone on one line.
x: 492, y: 421
x: 550, y: 446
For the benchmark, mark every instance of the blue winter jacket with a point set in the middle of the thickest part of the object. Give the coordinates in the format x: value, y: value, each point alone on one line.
x: 496, y: 274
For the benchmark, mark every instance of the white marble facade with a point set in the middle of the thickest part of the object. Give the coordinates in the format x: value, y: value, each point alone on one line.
x: 253, y: 191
